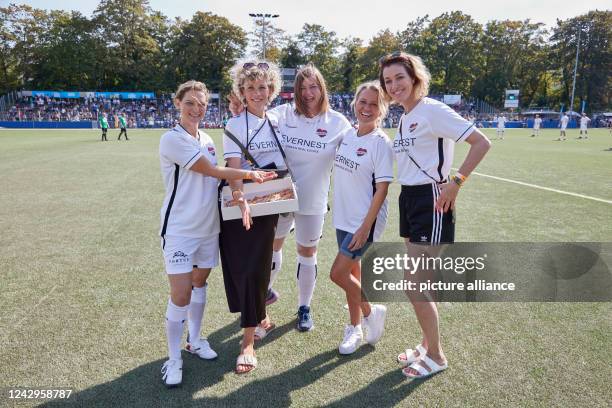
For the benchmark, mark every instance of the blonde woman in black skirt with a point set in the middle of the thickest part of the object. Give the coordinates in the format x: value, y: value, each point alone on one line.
x: 246, y: 244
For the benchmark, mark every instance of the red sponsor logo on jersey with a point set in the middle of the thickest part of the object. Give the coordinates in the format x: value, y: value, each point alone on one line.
x: 412, y: 127
x: 211, y: 150
x: 361, y: 151
x: 321, y: 132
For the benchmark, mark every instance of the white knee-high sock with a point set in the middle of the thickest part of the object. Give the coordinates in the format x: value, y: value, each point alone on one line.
x: 306, y: 278
x: 277, y: 263
x: 175, y: 317
x: 196, y: 312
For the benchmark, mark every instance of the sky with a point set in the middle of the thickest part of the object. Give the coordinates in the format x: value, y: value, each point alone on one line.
x: 357, y: 18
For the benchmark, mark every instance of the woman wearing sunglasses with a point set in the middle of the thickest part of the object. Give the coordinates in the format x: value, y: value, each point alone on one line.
x: 423, y: 147
x: 311, y: 133
x: 190, y: 223
x: 246, y: 244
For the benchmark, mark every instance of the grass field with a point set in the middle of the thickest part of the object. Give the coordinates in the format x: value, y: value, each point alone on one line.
x: 83, y: 289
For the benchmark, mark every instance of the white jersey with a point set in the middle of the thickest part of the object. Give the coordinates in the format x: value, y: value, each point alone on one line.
x: 584, y: 121
x: 258, y: 140
x: 501, y: 122
x: 426, y: 138
x: 537, y: 123
x: 190, y: 205
x: 564, y: 121
x: 310, y: 145
x: 360, y: 163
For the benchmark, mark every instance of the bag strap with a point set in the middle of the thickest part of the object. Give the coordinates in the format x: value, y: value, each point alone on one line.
x: 249, y: 157
x: 282, y: 151
x: 412, y: 159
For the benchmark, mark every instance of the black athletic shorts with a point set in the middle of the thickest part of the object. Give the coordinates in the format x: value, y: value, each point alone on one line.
x: 418, y: 219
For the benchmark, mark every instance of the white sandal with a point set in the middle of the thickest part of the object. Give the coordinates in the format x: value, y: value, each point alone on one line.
x: 261, y: 333
x: 423, y: 372
x: 410, y: 357
x: 247, y: 360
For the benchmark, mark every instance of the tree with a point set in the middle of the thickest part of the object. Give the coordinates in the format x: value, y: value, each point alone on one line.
x: 133, y: 58
x: 514, y: 56
x: 319, y: 47
x: 274, y: 39
x: 70, y: 53
x: 205, y: 48
x: 291, y: 55
x: 593, y: 80
x: 21, y: 30
x: 350, y: 64
x: 451, y: 50
x: 383, y: 43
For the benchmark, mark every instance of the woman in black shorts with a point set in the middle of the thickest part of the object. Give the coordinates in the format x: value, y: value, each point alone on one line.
x: 423, y: 147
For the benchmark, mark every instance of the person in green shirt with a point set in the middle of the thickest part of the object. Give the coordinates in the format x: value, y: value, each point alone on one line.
x: 104, y: 126
x: 122, y: 124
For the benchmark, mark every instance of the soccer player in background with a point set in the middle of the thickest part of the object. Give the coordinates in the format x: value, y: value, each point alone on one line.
x: 424, y: 146
x: 563, y: 124
x: 501, y: 126
x: 123, y: 124
x: 537, y: 123
x: 104, y: 126
x: 584, y: 121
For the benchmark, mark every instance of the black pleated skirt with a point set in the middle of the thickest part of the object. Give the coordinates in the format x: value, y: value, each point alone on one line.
x: 246, y: 259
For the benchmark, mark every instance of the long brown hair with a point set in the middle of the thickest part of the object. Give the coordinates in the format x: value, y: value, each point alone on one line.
x: 310, y: 72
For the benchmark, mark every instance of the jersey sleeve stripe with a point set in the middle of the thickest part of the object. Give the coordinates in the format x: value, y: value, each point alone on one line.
x: 190, y: 160
x: 463, y: 134
x: 384, y: 177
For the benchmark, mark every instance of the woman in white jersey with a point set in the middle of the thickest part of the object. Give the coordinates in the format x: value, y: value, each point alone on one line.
x: 190, y: 223
x: 423, y: 147
x: 310, y: 136
x: 311, y: 133
x: 363, y: 170
x: 246, y: 246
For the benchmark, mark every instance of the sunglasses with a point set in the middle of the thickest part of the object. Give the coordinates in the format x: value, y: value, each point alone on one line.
x: 388, y: 57
x: 262, y: 65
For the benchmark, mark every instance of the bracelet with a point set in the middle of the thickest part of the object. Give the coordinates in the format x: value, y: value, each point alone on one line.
x: 458, y: 180
x: 248, y: 175
x: 461, y: 176
x: 236, y: 191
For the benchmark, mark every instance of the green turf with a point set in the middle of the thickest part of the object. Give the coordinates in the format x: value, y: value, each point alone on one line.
x: 84, y: 290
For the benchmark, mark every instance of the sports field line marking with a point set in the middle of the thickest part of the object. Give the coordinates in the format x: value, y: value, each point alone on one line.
x: 554, y: 190
x: 9, y: 332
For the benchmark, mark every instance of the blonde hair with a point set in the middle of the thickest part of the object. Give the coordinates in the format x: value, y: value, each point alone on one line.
x: 383, y: 105
x: 191, y: 85
x: 240, y: 75
x: 415, y: 69
x: 311, y: 72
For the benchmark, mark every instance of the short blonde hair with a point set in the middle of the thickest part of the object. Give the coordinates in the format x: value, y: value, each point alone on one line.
x: 240, y: 75
x: 383, y: 105
x: 414, y: 68
x: 191, y: 85
x: 311, y: 72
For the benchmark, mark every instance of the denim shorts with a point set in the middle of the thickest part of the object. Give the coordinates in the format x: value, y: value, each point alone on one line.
x: 344, y: 239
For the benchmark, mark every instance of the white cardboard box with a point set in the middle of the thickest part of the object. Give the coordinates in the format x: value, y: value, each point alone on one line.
x: 251, y: 190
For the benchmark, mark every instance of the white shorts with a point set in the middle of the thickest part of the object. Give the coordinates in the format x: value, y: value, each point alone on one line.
x: 182, y: 254
x: 308, y: 228
x: 583, y: 128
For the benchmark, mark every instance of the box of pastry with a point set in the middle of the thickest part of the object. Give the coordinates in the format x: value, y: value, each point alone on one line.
x: 272, y: 197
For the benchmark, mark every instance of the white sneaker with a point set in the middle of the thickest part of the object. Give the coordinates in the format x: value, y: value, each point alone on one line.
x: 172, y: 373
x: 352, y: 339
x: 375, y: 323
x: 202, y: 349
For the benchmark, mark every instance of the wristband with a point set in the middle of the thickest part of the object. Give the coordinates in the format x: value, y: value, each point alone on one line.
x: 248, y: 175
x: 458, y: 180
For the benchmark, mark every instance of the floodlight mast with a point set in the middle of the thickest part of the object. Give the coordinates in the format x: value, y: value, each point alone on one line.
x: 263, y: 17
